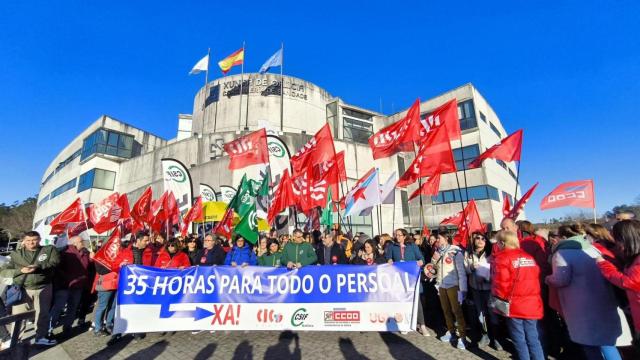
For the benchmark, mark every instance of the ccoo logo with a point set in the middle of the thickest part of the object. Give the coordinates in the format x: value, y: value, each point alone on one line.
x: 276, y: 149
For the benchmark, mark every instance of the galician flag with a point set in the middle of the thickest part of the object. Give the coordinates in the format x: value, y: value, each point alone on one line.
x: 273, y: 61
x: 248, y: 225
x: 327, y: 212
x: 365, y: 194
x: 200, y: 66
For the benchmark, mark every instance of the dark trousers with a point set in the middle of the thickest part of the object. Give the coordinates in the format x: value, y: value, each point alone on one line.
x: 452, y: 311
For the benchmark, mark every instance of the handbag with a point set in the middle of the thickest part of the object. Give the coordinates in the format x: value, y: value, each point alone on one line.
x: 15, y: 293
x: 503, y: 306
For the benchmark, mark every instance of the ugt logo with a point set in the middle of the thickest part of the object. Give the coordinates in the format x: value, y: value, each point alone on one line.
x: 226, y: 314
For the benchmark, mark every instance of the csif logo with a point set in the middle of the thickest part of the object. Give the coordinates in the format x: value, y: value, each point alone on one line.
x: 299, y: 317
x: 176, y: 174
x: 276, y: 149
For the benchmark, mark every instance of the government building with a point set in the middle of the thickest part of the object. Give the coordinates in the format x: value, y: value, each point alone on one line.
x: 111, y: 155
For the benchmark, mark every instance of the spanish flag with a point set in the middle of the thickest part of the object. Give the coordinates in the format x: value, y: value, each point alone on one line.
x: 232, y: 60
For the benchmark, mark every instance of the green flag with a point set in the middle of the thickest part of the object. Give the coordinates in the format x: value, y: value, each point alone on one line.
x: 244, y: 198
x: 262, y: 197
x: 327, y: 212
x: 248, y: 225
x: 263, y: 190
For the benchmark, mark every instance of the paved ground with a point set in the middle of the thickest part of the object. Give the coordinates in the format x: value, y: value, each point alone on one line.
x: 262, y: 345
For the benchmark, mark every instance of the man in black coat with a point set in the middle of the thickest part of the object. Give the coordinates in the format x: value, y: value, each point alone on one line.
x: 330, y: 252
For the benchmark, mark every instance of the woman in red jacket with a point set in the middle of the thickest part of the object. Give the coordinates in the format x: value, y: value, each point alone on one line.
x: 516, y: 279
x: 170, y: 257
x: 627, y: 235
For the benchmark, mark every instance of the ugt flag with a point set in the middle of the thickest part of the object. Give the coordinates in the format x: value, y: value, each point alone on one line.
x: 573, y: 193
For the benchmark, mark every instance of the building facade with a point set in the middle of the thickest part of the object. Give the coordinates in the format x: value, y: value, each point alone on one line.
x: 113, y: 156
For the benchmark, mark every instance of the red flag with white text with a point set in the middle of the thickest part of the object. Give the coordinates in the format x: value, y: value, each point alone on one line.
x: 431, y: 187
x: 108, y: 253
x: 318, y: 149
x: 142, y: 207
x: 72, y: 214
x: 105, y: 214
x: 247, y: 150
x: 399, y: 136
x: 573, y: 193
x: 446, y: 114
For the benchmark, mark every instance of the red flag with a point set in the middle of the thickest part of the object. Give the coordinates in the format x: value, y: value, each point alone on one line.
x: 468, y: 224
x: 105, y: 214
x: 508, y: 149
x: 78, y: 228
x: 282, y: 198
x: 123, y: 203
x: 506, y: 206
x: 425, y: 231
x: 250, y: 149
x: 519, y: 205
x: 445, y: 114
x: 171, y: 209
x: 452, y: 220
x: 335, y: 166
x: 573, y: 193
x: 430, y: 188
x: 193, y: 214
x: 435, y: 156
x: 108, y: 253
x: 225, y: 226
x: 142, y: 208
x: 399, y: 136
x: 72, y: 214
x: 320, y: 148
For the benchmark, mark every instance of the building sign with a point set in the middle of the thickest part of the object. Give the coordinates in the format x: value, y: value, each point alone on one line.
x: 259, y: 85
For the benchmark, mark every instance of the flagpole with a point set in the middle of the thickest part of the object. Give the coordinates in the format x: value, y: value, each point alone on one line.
x: 464, y: 211
x: 241, y: 81
x: 393, y: 217
x: 593, y: 196
x: 206, y: 92
x: 281, y: 86
x: 415, y: 154
x: 246, y: 121
x: 464, y: 172
x: 515, y: 194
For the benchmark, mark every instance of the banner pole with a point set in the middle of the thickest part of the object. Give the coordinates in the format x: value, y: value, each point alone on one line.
x: 206, y: 92
x: 464, y: 211
x: 241, y: 81
x: 515, y: 194
x: 415, y: 154
x: 281, y: 86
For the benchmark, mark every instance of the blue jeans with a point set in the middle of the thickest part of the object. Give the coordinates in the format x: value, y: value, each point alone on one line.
x: 70, y: 298
x: 105, y: 303
x: 524, y: 335
x: 601, y: 352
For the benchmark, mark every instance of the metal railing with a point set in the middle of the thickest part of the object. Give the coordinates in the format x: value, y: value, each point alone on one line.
x: 18, y: 319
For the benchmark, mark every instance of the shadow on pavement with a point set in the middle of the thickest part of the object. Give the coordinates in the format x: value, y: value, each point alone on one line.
x: 349, y: 350
x: 150, y: 352
x: 243, y: 351
x: 401, y: 349
x: 206, y: 352
x: 481, y: 353
x: 281, y: 349
x: 115, y: 348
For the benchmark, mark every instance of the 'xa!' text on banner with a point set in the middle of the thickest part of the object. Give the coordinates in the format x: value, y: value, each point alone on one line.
x: 329, y: 298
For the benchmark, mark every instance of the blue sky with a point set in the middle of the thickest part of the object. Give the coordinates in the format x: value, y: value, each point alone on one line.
x: 568, y: 72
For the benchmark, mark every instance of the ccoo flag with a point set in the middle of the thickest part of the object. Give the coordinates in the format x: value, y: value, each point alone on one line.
x: 273, y: 61
x: 573, y: 193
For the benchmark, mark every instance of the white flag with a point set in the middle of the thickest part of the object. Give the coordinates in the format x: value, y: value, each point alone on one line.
x: 387, y: 192
x: 202, y: 65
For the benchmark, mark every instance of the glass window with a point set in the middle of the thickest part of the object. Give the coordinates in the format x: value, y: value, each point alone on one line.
x: 108, y: 142
x: 356, y: 130
x: 63, y: 188
x: 466, y: 113
x: 43, y: 200
x: 495, y: 130
x: 482, y: 116
x: 98, y: 179
x: 513, y: 175
x: 501, y: 163
x: 356, y: 114
x: 483, y: 192
x: 406, y: 216
x: 470, y: 153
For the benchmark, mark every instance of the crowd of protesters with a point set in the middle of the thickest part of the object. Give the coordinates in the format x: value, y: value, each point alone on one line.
x: 566, y: 293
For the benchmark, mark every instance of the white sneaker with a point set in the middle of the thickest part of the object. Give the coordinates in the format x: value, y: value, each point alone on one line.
x: 461, y: 345
x: 45, y: 342
x: 5, y: 344
x: 446, y: 337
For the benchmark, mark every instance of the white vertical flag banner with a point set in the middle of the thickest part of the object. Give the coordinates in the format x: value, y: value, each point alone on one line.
x: 226, y: 193
x: 178, y: 180
x: 200, y: 66
x: 207, y: 193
